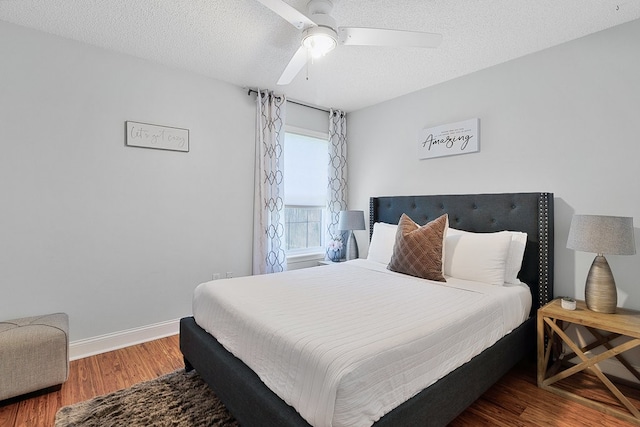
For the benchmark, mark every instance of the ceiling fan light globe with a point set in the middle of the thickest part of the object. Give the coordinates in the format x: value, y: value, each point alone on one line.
x: 319, y: 41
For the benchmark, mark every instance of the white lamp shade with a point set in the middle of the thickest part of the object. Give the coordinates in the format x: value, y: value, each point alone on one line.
x: 602, y: 234
x: 351, y: 220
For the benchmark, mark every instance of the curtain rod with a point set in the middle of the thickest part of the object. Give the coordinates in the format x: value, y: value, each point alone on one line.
x: 315, y: 107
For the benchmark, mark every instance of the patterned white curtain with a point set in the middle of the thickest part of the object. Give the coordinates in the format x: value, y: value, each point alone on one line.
x: 268, y: 218
x: 337, y: 185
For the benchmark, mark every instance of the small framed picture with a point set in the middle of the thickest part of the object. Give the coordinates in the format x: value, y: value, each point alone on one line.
x: 153, y: 136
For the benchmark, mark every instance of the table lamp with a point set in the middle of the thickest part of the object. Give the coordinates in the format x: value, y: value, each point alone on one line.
x: 349, y: 221
x: 601, y: 235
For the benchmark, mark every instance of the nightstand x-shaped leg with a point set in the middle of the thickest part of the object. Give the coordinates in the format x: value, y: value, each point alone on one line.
x: 590, y: 362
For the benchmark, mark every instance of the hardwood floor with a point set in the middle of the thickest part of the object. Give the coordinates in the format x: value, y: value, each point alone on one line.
x: 514, y: 401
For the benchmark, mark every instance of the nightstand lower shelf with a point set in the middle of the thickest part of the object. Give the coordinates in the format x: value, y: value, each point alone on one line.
x: 604, y: 328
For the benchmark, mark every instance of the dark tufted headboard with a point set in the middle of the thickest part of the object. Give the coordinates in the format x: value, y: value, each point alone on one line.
x: 528, y: 212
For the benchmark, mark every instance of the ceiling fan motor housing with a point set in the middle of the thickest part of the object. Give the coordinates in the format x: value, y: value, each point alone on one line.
x: 323, y: 37
x: 322, y: 7
x: 320, y: 14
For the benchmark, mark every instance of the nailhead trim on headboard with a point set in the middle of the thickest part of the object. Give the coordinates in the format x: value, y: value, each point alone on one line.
x: 372, y: 217
x: 544, y: 206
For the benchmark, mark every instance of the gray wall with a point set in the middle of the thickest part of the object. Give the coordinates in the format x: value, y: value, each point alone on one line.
x: 564, y: 120
x: 115, y: 236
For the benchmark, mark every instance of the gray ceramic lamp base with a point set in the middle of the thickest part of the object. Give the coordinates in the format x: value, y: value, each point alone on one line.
x: 600, y: 290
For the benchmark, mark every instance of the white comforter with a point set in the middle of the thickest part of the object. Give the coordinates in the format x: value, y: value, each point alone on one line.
x: 346, y: 343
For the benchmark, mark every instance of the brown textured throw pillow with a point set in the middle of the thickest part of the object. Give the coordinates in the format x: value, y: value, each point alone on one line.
x: 418, y: 250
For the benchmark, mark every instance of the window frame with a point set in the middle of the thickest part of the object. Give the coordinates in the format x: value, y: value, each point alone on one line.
x: 316, y: 252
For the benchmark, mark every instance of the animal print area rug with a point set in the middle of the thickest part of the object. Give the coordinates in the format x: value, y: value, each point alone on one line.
x: 177, y: 399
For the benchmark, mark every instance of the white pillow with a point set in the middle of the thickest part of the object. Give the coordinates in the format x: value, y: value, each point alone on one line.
x: 382, y: 241
x: 481, y: 257
x: 514, y: 259
x: 515, y: 255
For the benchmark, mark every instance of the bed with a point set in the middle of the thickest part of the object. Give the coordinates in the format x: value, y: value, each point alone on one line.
x: 253, y: 403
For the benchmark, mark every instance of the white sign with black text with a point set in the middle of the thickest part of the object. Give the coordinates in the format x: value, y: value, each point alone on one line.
x: 450, y: 139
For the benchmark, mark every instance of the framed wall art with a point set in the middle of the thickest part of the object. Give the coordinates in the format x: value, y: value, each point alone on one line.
x: 154, y: 136
x: 450, y: 139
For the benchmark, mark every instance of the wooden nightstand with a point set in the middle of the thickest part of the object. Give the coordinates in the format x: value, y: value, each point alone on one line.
x: 604, y: 328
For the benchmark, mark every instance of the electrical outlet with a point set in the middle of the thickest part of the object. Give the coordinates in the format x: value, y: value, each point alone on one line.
x: 215, y: 276
x: 229, y: 274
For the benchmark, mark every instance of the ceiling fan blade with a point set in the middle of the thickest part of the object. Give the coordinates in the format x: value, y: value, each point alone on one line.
x: 289, y: 13
x: 383, y: 37
x: 293, y: 68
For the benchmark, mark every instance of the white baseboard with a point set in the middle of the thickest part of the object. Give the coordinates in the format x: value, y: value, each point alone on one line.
x: 108, y: 342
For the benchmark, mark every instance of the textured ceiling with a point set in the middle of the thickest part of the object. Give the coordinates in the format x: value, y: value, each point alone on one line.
x: 244, y: 43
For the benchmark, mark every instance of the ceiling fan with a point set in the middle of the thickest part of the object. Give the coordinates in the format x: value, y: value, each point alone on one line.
x: 320, y: 34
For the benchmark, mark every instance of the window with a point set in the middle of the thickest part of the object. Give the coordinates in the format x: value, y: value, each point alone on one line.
x: 305, y: 190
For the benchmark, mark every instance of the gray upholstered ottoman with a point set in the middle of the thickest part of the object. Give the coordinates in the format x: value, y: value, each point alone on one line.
x: 34, y: 354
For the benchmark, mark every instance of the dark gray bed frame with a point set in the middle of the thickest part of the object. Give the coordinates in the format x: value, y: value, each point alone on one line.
x: 253, y: 404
